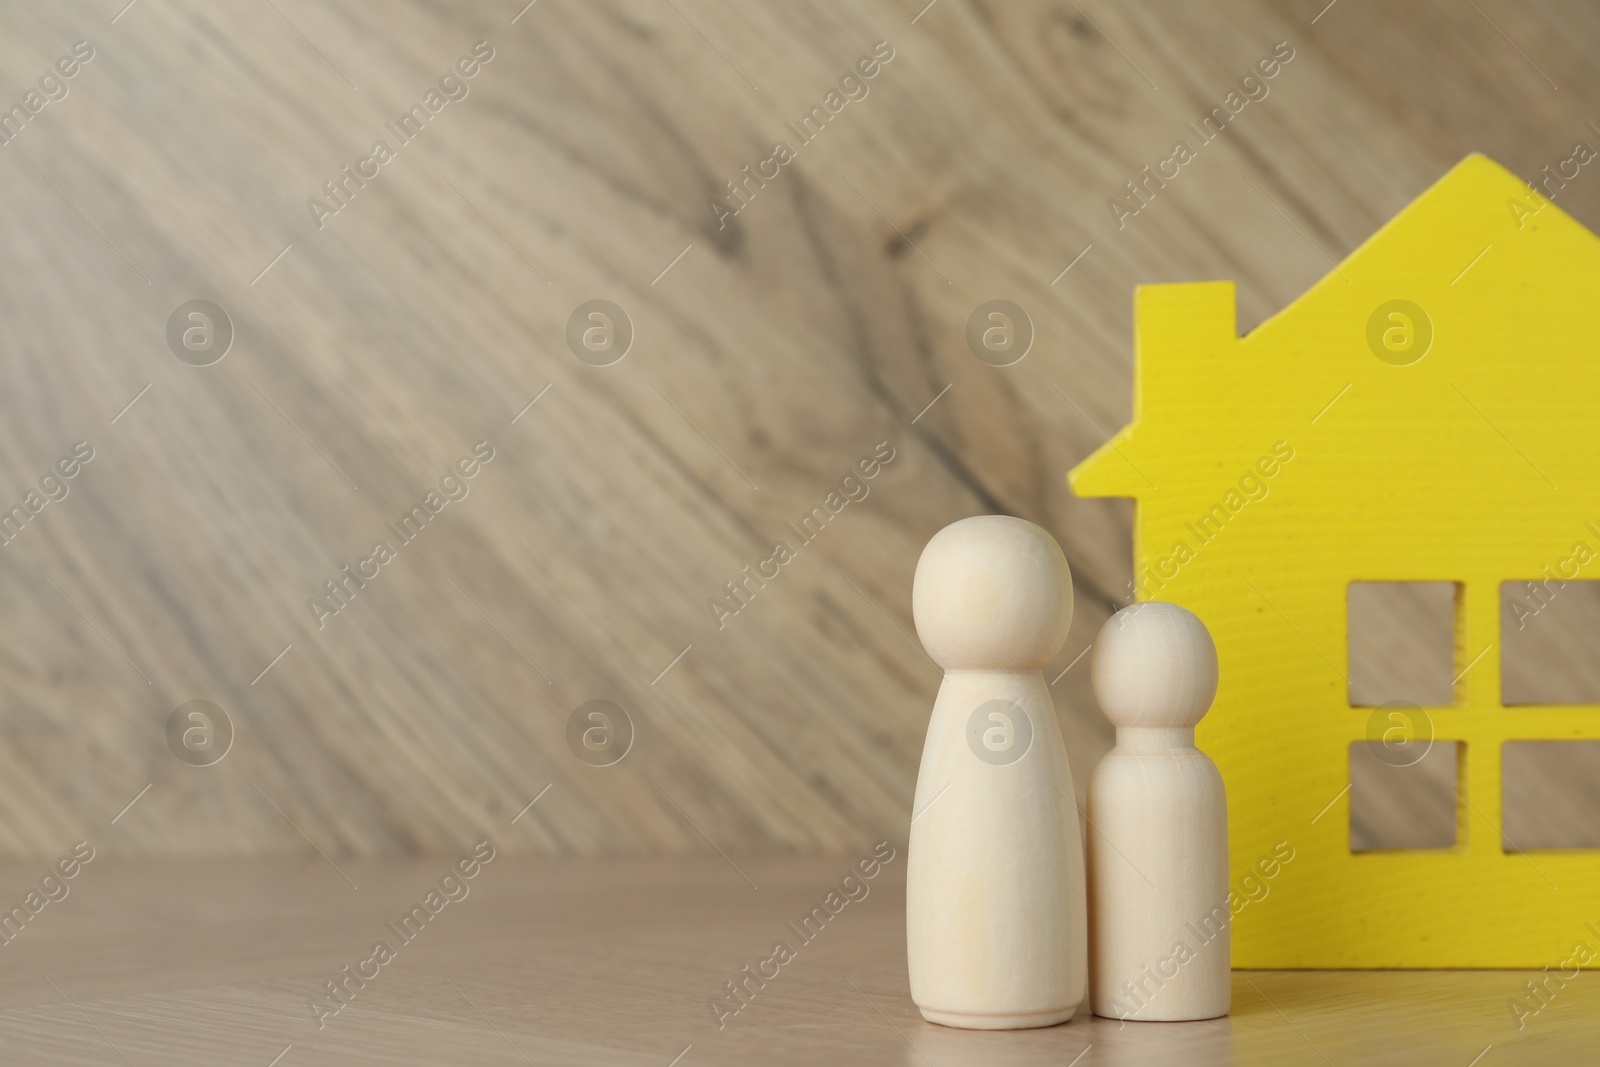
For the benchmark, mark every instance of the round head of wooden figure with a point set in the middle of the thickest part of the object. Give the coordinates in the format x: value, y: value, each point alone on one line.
x: 1154, y: 665
x: 992, y: 592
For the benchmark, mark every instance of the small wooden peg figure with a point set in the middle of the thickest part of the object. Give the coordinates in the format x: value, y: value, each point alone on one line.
x: 1158, y: 843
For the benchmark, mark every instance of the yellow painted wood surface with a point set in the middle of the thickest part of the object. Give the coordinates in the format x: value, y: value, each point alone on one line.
x: 1272, y: 470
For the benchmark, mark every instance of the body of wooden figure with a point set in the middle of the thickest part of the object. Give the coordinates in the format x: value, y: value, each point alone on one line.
x: 1159, y: 924
x: 996, y: 920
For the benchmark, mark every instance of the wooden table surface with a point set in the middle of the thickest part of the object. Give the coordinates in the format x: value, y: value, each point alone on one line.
x: 207, y: 962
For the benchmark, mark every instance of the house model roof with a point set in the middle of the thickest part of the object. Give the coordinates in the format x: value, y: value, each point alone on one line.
x: 1510, y: 335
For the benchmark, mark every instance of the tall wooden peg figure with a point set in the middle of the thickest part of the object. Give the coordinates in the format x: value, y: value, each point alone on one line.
x: 1158, y: 843
x: 996, y: 931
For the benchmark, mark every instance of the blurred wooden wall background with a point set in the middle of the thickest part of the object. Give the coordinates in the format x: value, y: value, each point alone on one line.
x: 769, y: 356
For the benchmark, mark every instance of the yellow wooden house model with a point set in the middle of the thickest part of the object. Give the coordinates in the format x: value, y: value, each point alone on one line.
x: 1425, y: 412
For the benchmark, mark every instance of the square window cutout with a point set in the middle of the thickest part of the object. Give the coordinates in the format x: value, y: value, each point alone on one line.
x: 1549, y: 795
x: 1403, y: 642
x: 1404, y: 797
x: 1550, y: 642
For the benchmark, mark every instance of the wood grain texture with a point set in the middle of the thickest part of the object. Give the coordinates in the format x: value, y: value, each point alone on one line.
x: 615, y: 961
x: 827, y: 316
